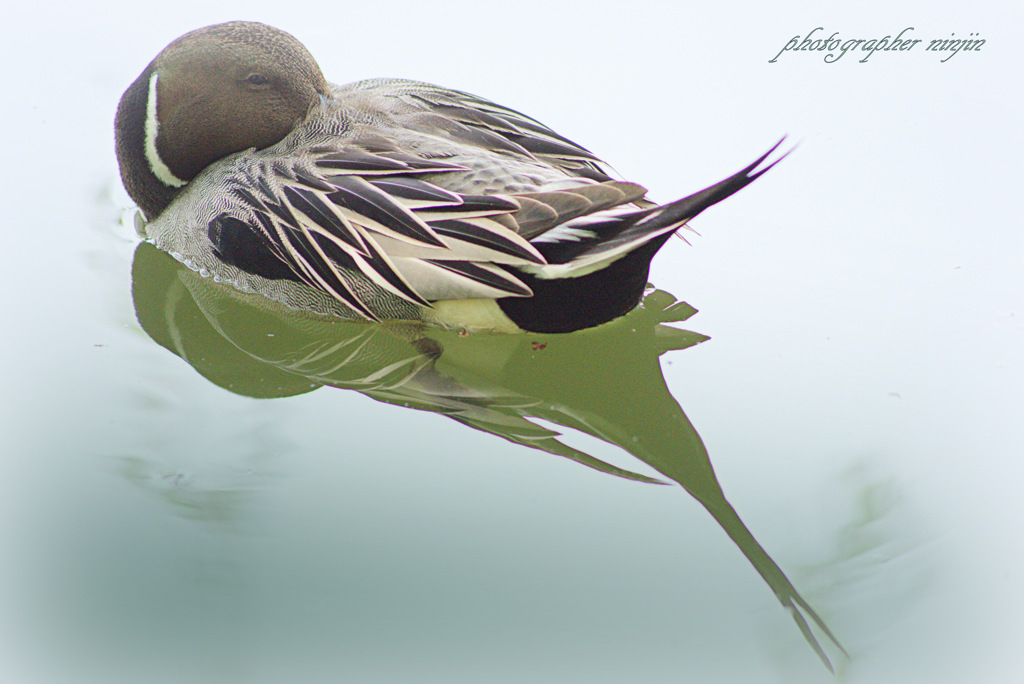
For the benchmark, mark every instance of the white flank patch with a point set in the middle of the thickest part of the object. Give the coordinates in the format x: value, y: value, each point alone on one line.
x: 156, y: 164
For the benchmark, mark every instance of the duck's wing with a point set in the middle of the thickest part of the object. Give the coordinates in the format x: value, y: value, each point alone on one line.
x: 476, y: 121
x: 367, y: 220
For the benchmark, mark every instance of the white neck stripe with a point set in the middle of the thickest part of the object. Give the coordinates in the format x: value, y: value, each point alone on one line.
x: 156, y: 164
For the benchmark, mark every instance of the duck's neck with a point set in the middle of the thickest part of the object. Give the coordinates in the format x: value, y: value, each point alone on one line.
x: 148, y: 180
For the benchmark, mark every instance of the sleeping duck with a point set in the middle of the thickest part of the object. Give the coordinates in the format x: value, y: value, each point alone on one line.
x: 382, y: 199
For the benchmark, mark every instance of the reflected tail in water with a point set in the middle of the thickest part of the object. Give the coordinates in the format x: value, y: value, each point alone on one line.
x: 610, y: 385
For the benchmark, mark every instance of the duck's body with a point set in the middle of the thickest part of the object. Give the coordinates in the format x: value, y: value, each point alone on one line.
x: 381, y: 199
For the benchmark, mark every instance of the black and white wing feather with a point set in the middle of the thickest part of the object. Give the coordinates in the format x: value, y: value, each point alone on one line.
x: 369, y: 225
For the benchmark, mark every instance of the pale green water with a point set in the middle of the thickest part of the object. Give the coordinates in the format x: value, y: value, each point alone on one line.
x: 860, y: 396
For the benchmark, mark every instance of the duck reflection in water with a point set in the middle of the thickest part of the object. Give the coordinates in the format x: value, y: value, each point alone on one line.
x: 605, y: 382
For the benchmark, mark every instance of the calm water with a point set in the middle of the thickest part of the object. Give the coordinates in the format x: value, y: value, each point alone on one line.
x: 198, y: 487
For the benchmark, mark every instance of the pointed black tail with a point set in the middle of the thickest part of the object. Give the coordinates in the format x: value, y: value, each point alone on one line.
x: 601, y: 277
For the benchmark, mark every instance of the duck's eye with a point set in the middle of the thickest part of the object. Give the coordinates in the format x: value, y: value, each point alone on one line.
x: 257, y: 80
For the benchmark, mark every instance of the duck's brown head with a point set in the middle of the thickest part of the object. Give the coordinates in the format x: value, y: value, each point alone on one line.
x: 210, y: 93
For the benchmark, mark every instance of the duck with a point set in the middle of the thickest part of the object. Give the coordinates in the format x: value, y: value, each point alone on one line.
x: 382, y: 199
